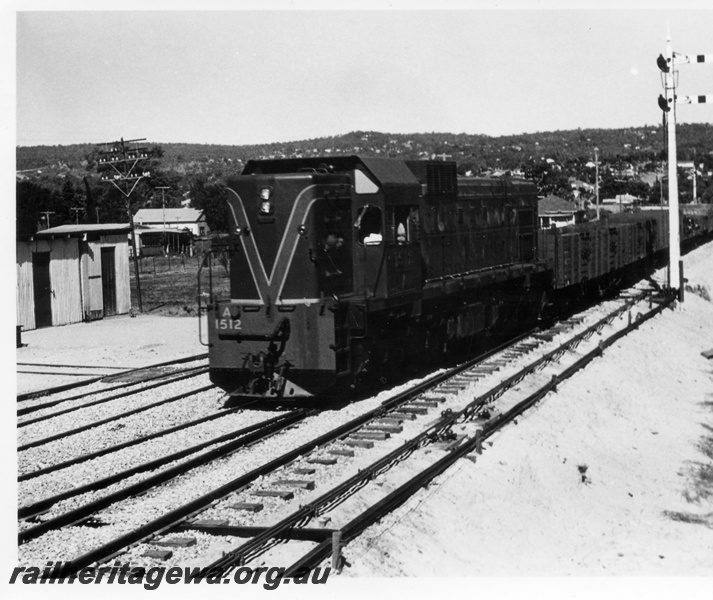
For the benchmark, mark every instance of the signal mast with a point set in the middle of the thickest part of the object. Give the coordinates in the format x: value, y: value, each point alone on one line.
x: 667, y: 104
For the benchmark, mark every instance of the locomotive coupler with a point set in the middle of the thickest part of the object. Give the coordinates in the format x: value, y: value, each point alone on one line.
x: 264, y: 364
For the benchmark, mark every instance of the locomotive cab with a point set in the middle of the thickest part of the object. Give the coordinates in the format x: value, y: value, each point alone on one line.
x: 309, y: 242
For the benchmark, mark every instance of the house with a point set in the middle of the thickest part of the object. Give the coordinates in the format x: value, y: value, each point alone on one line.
x: 179, y: 219
x: 620, y: 202
x: 554, y: 211
x: 72, y: 273
x: 157, y: 241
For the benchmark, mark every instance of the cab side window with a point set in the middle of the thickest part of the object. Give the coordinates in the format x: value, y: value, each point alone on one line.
x: 369, y: 225
x: 405, y: 224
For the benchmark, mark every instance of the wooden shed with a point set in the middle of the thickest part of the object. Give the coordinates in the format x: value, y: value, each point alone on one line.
x: 73, y: 273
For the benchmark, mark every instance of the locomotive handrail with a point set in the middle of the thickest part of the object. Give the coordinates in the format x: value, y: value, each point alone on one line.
x: 207, y: 258
x: 381, y: 268
x: 472, y: 272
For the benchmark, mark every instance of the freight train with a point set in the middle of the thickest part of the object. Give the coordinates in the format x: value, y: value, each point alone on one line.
x: 345, y: 269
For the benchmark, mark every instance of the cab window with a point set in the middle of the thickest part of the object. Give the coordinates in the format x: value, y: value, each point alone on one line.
x: 405, y: 224
x: 369, y: 225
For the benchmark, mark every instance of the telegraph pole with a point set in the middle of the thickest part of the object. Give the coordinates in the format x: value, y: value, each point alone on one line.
x: 76, y: 211
x: 163, y: 189
x: 119, y: 163
x: 47, y: 214
x: 596, y: 177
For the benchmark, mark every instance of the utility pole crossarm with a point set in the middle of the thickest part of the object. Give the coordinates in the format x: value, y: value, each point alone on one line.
x: 122, y: 160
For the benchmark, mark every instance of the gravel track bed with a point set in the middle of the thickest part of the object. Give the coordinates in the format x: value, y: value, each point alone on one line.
x: 91, y: 414
x: 51, y: 484
x: 126, y: 516
x: 117, y: 432
x: 209, y: 547
x: 132, y: 513
x: 92, y: 391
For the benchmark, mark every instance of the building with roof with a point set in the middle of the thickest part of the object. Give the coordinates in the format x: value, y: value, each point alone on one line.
x: 174, y: 219
x: 73, y: 273
x: 620, y: 203
x: 554, y: 211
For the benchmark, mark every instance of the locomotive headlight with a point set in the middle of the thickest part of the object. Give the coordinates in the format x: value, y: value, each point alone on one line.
x: 266, y: 206
x: 302, y: 230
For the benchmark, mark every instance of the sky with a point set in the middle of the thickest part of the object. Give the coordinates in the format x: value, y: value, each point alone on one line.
x: 258, y: 76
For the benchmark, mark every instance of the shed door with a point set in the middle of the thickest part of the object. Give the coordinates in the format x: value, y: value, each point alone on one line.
x: 109, y: 281
x: 42, y: 289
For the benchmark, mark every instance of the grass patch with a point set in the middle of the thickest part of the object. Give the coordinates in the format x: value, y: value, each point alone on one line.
x: 169, y: 285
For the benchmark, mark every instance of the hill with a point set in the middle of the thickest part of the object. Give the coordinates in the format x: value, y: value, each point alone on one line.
x: 636, y: 144
x: 56, y: 178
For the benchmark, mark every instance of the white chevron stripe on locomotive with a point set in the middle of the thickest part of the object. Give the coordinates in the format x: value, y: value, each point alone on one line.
x: 270, y: 287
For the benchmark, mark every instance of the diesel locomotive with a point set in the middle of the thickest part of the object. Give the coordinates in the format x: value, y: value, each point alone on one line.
x: 344, y: 269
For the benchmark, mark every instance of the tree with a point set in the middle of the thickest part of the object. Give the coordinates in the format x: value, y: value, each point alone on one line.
x: 212, y: 199
x: 31, y: 200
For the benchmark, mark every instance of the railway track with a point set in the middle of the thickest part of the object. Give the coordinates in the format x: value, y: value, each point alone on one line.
x: 130, y: 379
x: 114, y: 417
x: 338, y: 451
x: 27, y: 400
x: 469, y: 445
x: 479, y: 419
x: 64, y: 520
x: 233, y: 441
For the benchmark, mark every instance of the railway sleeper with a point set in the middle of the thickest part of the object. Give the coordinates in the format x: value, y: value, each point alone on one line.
x: 158, y: 554
x: 414, y: 410
x: 176, y: 542
x: 386, y: 428
x: 425, y: 403
x: 281, y: 494
x: 248, y: 506
x: 389, y: 420
x: 357, y: 443
x: 210, y: 523
x: 342, y: 452
x: 322, y: 460
x: 304, y: 471
x: 370, y: 435
x: 303, y: 484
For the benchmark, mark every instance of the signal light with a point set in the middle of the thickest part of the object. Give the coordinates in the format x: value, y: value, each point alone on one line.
x: 663, y: 104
